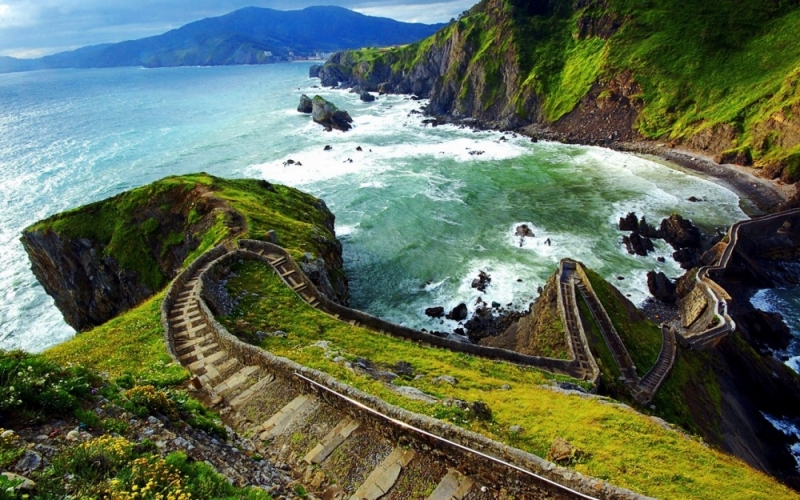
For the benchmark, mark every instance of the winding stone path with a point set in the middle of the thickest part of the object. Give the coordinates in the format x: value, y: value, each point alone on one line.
x: 334, y: 453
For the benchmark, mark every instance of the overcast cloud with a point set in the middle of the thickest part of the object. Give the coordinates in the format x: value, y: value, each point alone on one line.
x: 33, y: 28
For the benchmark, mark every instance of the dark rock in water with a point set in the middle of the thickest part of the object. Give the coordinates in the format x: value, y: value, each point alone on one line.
x: 764, y: 329
x: 433, y: 122
x: 306, y: 105
x: 661, y: 259
x: 688, y: 258
x: 384, y: 88
x: 434, y: 312
x: 629, y: 223
x: 459, y: 313
x: 694, y: 199
x: 328, y: 147
x: 647, y: 230
x: 329, y: 116
x: 460, y: 332
x: 661, y: 287
x: 637, y: 244
x: 482, y: 324
x: 482, y: 281
x: 680, y: 233
x: 331, y: 75
x: 313, y: 71
x: 524, y: 231
x: 366, y: 96
x: 495, y: 305
x: 359, y: 149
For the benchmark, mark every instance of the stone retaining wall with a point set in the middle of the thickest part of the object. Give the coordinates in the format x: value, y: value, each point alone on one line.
x: 564, y: 367
x: 491, y: 462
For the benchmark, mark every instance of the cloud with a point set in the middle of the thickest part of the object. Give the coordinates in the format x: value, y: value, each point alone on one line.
x: 46, y: 26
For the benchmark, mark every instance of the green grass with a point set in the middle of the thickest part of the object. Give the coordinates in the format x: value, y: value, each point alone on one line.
x: 130, y: 344
x: 698, y: 64
x: 620, y: 445
x: 642, y: 337
x: 139, y: 227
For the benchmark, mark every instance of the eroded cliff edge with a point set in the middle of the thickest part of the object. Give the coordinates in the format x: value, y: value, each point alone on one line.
x: 102, y: 259
x: 609, y: 72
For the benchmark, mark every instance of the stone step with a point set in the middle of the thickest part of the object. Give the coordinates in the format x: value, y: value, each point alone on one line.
x: 453, y: 486
x: 235, y: 380
x: 332, y: 441
x: 251, y: 391
x: 381, y: 480
x: 285, y: 416
x: 206, y: 360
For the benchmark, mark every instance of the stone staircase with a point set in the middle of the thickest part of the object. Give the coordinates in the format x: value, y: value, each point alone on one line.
x: 336, y: 441
x: 644, y: 389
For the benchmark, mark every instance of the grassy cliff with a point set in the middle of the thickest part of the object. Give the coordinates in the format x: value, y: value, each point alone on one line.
x: 718, y: 76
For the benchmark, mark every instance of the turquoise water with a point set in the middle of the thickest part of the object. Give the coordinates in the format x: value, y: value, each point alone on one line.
x: 418, y: 215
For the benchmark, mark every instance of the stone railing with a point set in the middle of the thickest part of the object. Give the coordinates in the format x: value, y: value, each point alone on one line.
x: 489, y: 461
x: 573, y: 326
x: 171, y: 295
x: 309, y: 293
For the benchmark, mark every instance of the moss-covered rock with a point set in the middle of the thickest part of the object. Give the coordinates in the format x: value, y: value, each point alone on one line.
x: 107, y: 257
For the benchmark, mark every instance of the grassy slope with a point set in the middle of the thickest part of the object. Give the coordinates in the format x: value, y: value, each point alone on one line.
x: 624, y: 447
x: 699, y: 64
x: 138, y: 344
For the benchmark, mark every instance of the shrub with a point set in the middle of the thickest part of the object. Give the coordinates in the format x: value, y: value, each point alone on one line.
x: 29, y: 382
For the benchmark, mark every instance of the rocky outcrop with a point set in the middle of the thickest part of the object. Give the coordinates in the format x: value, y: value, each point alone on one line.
x: 306, y: 105
x: 366, y: 96
x: 661, y: 287
x: 92, y: 279
x: 680, y: 233
x: 106, y: 258
x: 329, y: 116
x: 313, y: 71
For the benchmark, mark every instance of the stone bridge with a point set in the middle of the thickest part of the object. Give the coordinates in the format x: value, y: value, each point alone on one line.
x: 704, y: 312
x: 339, y: 441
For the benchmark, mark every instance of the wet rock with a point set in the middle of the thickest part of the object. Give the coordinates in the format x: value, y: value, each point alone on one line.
x: 329, y: 116
x: 482, y: 281
x: 661, y: 287
x: 459, y: 313
x: 629, y: 223
x: 313, y: 71
x: 638, y: 245
x: 366, y: 96
x: 694, y: 199
x: 688, y: 258
x: 434, y: 312
x: 306, y: 105
x: 328, y: 148
x: 482, y: 324
x: 680, y: 233
x: 524, y: 231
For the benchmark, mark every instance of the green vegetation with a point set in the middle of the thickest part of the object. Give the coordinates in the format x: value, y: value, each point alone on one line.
x: 139, y: 227
x: 619, y: 444
x: 137, y: 349
x: 642, y: 338
x: 34, y: 389
x: 693, y: 65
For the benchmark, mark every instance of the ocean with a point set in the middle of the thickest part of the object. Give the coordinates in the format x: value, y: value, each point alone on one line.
x: 420, y: 211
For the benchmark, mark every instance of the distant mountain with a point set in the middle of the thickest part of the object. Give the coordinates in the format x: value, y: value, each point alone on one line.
x: 247, y: 36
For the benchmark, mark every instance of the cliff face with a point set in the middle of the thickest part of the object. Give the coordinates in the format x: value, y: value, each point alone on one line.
x: 105, y: 258
x: 704, y: 76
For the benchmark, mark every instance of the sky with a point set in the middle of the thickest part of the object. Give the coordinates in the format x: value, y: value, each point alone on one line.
x: 34, y: 28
